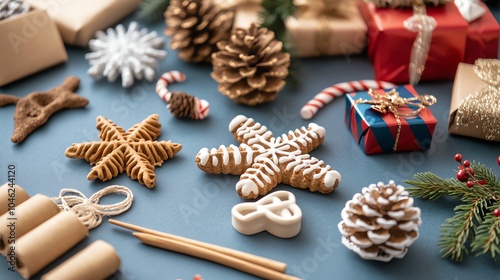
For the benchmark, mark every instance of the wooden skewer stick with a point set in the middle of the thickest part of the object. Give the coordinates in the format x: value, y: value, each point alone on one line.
x: 265, y: 262
x: 211, y: 255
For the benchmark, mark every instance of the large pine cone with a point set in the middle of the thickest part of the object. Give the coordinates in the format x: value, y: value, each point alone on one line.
x: 381, y: 223
x: 196, y: 26
x: 250, y: 68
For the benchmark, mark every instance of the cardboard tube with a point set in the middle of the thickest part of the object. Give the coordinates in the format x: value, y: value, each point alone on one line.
x: 7, y: 194
x: 47, y: 242
x: 98, y: 261
x: 27, y: 216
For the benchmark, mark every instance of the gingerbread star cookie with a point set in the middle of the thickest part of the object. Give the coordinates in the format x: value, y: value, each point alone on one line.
x: 134, y: 151
x: 264, y: 161
x: 35, y: 109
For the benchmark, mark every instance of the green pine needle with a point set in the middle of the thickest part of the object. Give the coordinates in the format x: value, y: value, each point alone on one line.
x: 473, y: 220
x: 274, y: 15
x: 153, y: 10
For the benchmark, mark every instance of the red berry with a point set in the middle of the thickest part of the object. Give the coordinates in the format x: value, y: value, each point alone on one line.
x: 466, y: 163
x: 458, y: 157
x: 462, y: 176
x: 469, y: 171
x: 460, y: 167
x: 496, y: 212
x: 482, y: 182
x: 498, y: 160
x: 470, y: 184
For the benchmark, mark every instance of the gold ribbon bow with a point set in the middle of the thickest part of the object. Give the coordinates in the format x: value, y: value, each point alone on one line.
x: 391, y: 102
x: 483, y: 106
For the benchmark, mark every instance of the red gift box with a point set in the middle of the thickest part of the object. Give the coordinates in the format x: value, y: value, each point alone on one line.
x: 482, y: 37
x: 390, y: 43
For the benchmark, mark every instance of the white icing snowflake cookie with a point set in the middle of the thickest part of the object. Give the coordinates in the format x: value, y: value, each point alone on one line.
x: 264, y: 161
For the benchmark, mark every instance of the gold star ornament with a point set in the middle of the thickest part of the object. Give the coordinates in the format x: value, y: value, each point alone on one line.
x: 134, y: 151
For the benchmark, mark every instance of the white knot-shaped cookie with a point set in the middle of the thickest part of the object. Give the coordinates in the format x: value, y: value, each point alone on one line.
x: 276, y: 213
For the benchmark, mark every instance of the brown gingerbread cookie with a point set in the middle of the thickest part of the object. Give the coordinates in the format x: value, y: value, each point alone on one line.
x: 134, y: 151
x: 264, y: 161
x: 35, y: 109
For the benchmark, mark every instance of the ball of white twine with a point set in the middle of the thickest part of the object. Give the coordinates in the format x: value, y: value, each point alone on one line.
x: 88, y: 210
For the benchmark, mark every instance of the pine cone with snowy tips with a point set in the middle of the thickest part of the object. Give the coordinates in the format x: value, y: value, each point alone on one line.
x: 381, y: 223
x: 195, y: 27
x: 250, y: 68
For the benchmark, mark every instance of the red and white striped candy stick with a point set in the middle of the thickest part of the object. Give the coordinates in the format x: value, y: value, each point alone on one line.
x: 202, y: 106
x: 338, y: 90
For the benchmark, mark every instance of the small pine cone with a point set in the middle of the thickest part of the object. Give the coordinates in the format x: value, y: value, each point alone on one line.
x: 182, y: 105
x: 250, y: 68
x: 196, y: 26
x: 381, y: 223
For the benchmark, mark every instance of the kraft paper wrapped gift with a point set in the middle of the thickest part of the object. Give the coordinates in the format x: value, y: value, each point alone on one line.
x: 378, y: 133
x: 390, y: 43
x: 486, y: 122
x: 327, y: 35
x: 30, y: 43
x: 78, y: 20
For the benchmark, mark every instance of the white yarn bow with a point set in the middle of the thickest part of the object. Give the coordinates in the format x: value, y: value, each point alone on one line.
x: 470, y: 9
x: 88, y: 210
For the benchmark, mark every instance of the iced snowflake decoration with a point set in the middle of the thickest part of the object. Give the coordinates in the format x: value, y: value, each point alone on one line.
x: 133, y: 53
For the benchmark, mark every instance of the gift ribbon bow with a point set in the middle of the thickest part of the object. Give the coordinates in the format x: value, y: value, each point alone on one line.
x: 423, y: 24
x: 483, y: 106
x: 276, y: 213
x: 391, y: 102
x: 470, y: 9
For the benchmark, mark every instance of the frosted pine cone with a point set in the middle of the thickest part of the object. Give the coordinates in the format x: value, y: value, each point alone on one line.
x: 195, y: 27
x: 12, y: 7
x: 381, y: 223
x: 250, y: 68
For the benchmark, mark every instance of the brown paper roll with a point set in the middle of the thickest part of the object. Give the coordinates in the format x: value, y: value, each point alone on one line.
x: 48, y: 241
x: 17, y: 193
x: 28, y: 216
x: 98, y: 261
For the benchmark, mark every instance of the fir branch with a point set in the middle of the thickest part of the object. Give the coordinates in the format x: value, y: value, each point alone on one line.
x: 273, y: 16
x: 457, y: 230
x: 476, y: 219
x: 488, y: 235
x: 430, y: 186
x: 153, y: 10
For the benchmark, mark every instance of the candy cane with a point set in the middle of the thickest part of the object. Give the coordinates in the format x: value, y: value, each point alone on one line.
x: 201, y: 106
x: 338, y: 90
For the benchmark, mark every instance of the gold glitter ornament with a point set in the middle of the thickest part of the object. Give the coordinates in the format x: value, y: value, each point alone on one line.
x: 482, y: 108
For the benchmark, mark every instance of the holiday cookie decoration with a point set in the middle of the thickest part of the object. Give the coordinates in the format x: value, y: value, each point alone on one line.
x: 133, y: 53
x: 35, y: 109
x: 181, y: 104
x: 134, y: 151
x: 264, y: 161
x: 276, y: 213
x: 380, y: 223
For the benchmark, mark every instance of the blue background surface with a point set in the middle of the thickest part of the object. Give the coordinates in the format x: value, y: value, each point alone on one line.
x: 191, y: 203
